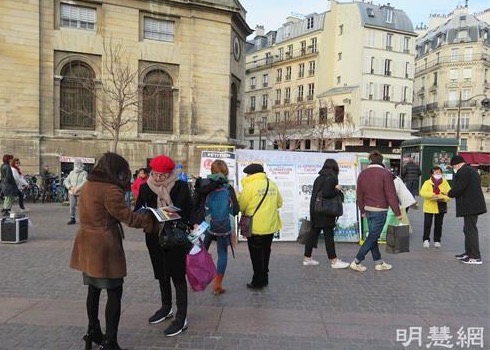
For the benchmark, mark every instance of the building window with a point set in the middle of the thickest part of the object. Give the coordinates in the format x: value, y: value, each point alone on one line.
x: 265, y: 99
x: 404, y: 94
x: 313, y: 44
x: 278, y: 96
x: 407, y: 67
x: 462, y: 34
x: 453, y: 75
x: 157, y: 102
x: 435, y: 79
x: 77, y: 97
x: 158, y: 29
x: 279, y: 75
x: 253, y: 83
x: 78, y: 17
x: 339, y: 114
x: 341, y: 29
x: 386, y: 92
x: 287, y: 95
x: 301, y: 70
x: 339, y: 56
x: 303, y: 47
x: 265, y: 80
x: 281, y: 53
x: 468, y: 54
x: 454, y: 55
x: 389, y: 15
x: 310, y: 22
x: 311, y: 70
x: 311, y: 91
x: 289, y: 53
x: 309, y: 116
x: 406, y: 44
x: 463, y: 145
x: 370, y: 11
x: 389, y: 41
x: 288, y: 73
x: 388, y: 67
x: 402, y: 119
x: 371, y: 68
x: 339, y: 79
x: 268, y: 58
x: 252, y: 103
x: 300, y: 93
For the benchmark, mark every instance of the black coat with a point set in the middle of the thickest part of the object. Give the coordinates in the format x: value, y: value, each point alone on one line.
x: 8, y: 185
x: 467, y: 190
x: 325, y: 182
x: 181, y: 198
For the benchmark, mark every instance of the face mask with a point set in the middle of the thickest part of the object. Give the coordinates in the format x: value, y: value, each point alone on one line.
x: 437, y: 177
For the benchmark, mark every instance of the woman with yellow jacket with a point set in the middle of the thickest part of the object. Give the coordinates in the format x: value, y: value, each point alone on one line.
x: 435, y: 205
x: 266, y: 220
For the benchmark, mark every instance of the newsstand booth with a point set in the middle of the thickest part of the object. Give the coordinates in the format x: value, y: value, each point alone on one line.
x: 428, y: 152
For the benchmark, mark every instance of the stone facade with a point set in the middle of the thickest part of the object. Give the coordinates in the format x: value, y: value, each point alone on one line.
x: 200, y: 58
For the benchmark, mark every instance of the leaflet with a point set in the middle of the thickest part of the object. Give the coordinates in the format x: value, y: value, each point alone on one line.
x: 163, y: 214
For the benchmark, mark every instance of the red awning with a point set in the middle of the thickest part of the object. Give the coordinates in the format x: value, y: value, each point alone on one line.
x: 476, y: 158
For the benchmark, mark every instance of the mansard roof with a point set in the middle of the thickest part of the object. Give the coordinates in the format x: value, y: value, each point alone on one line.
x: 375, y: 16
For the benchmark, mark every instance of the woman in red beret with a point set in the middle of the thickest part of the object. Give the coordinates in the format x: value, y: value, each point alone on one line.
x: 161, y: 189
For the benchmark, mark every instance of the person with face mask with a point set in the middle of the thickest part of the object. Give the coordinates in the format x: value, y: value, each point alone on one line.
x: 74, y: 182
x: 435, y: 205
x: 470, y: 203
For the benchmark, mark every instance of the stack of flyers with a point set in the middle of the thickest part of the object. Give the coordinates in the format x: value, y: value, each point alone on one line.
x: 198, y: 232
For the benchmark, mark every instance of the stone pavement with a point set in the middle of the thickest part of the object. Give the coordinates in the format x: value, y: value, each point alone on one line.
x: 314, y: 307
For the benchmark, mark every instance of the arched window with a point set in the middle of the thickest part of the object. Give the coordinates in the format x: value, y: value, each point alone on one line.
x: 77, y: 97
x: 157, y: 102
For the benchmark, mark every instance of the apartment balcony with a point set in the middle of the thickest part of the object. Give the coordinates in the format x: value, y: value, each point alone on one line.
x: 421, y: 67
x: 464, y: 104
x: 472, y: 128
x: 418, y: 109
x: 431, y: 107
x: 385, y: 123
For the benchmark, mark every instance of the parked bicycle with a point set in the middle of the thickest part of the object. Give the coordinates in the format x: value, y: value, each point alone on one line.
x: 53, y: 190
x: 31, y: 193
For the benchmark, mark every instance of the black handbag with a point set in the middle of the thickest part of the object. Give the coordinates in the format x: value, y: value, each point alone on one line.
x: 175, y: 234
x: 329, y: 206
x: 442, y: 207
x: 397, y: 239
x: 304, y: 231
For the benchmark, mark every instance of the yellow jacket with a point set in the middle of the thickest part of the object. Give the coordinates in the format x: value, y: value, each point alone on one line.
x: 267, y: 219
x: 430, y: 202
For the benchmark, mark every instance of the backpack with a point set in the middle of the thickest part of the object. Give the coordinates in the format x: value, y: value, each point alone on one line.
x: 219, y: 206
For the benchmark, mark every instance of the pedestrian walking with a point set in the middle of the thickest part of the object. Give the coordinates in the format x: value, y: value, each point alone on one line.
x: 328, y: 183
x: 435, y: 205
x: 74, y: 183
x: 375, y: 193
x: 470, y: 203
x: 20, y: 181
x: 266, y: 220
x: 98, y: 251
x: 411, y: 175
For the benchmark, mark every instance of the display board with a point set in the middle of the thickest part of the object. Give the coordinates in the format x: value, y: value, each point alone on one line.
x: 294, y: 174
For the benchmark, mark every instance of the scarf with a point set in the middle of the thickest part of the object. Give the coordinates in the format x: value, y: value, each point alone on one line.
x: 16, y: 167
x: 435, y: 186
x: 162, y: 189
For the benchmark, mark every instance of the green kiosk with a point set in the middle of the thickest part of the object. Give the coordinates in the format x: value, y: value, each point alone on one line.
x: 428, y: 152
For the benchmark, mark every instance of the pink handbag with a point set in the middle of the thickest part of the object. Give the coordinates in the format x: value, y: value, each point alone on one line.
x: 200, y: 270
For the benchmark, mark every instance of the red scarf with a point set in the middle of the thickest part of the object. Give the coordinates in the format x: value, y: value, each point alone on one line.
x: 435, y: 186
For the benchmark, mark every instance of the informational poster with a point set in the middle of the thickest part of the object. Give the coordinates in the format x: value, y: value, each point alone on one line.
x: 208, y: 157
x: 294, y: 174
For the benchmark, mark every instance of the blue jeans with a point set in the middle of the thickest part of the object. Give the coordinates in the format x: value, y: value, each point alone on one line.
x: 222, y: 245
x: 376, y: 220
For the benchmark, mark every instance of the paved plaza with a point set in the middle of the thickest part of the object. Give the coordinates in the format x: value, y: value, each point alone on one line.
x: 428, y: 301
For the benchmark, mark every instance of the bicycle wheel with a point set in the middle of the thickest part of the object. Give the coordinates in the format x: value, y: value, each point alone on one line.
x: 60, y: 195
x: 34, y: 193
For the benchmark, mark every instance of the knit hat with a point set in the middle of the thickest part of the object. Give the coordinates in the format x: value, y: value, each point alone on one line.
x: 457, y: 159
x: 253, y: 168
x: 162, y: 164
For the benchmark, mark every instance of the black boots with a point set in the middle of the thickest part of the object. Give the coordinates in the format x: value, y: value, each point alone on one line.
x: 5, y: 212
x: 108, y: 345
x: 94, y: 335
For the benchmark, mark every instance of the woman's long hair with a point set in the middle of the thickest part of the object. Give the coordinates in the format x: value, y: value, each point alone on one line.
x: 112, y: 168
x: 331, y: 165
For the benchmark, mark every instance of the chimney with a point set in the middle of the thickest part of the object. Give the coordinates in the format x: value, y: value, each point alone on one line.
x: 259, y: 30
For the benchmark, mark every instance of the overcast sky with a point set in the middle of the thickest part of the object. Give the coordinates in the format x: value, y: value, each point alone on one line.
x: 272, y: 13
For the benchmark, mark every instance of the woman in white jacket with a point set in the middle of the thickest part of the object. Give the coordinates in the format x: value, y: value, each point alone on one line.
x: 74, y: 182
x: 19, y: 181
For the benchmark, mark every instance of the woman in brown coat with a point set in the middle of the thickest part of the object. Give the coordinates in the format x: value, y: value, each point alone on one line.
x: 98, y: 251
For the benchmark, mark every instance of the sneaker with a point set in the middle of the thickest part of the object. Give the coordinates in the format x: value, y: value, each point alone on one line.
x: 71, y: 222
x: 161, y: 315
x: 309, y: 262
x: 437, y: 244
x: 176, y: 327
x: 383, y: 267
x: 339, y: 264
x: 471, y: 261
x: 357, y: 267
x: 461, y: 256
x: 426, y: 244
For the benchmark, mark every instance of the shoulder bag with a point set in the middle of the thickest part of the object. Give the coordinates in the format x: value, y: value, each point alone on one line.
x: 245, y: 223
x: 329, y: 206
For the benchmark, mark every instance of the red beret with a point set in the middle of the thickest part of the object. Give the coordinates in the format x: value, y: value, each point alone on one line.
x: 162, y: 164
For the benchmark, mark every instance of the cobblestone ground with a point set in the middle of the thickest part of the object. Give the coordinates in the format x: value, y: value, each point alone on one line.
x: 42, y: 301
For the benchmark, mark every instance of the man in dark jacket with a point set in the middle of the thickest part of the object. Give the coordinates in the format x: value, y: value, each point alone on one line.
x: 411, y: 174
x: 470, y: 203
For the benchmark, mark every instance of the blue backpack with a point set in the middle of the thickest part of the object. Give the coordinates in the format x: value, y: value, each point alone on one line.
x: 218, y: 207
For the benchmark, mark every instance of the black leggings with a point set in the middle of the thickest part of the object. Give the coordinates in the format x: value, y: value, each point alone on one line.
x: 112, y: 310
